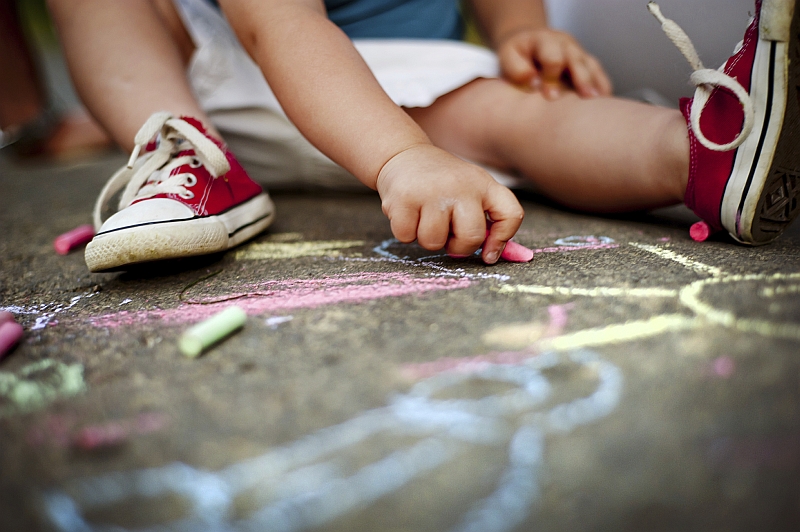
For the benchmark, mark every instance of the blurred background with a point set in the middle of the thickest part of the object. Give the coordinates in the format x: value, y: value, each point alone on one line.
x: 42, y: 116
x: 636, y: 53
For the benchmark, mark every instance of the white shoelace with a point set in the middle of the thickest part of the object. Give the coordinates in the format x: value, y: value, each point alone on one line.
x: 149, y: 175
x: 706, y: 80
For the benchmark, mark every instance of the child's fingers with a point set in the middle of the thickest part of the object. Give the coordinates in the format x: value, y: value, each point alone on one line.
x: 434, y: 228
x: 404, y: 222
x: 517, y: 64
x: 588, y: 77
x: 552, y: 60
x: 468, y: 230
x: 582, y: 77
x: 601, y: 79
x: 506, y: 215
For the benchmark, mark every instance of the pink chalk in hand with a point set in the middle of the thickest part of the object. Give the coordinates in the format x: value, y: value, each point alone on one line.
x: 6, y: 316
x: 10, y: 334
x: 514, y: 252
x: 72, y: 239
x: 701, y: 231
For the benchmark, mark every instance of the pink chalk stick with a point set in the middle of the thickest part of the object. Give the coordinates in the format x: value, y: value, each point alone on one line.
x: 6, y: 316
x: 72, y: 239
x: 701, y: 231
x: 10, y: 334
x: 514, y: 252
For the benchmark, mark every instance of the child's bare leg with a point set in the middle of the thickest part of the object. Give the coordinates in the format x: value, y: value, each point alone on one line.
x: 127, y: 60
x: 601, y: 154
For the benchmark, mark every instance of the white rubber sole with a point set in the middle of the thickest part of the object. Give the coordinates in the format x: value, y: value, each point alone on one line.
x: 180, y: 238
x: 761, y: 198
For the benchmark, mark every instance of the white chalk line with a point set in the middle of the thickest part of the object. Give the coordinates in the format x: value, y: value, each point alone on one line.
x: 302, y: 485
x: 46, y: 311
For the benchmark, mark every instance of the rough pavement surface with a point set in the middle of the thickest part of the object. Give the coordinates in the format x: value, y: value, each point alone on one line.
x: 626, y: 379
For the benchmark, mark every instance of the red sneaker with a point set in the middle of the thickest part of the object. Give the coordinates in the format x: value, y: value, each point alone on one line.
x: 744, y: 127
x: 187, y: 195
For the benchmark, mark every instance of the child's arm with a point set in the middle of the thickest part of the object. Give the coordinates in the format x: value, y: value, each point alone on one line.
x: 332, y: 97
x: 532, y: 54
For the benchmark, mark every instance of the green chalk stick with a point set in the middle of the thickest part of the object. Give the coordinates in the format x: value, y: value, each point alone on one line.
x: 211, y: 331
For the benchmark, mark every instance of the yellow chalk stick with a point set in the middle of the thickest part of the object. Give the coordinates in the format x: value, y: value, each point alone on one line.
x: 211, y: 331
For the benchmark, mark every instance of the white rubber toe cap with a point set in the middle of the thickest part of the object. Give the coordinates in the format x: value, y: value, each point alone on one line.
x: 155, y: 210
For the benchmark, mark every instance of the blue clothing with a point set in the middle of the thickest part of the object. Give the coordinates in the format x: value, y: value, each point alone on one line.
x: 396, y: 19
x: 400, y: 19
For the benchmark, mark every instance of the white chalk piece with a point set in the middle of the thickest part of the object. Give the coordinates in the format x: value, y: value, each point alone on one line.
x: 211, y: 331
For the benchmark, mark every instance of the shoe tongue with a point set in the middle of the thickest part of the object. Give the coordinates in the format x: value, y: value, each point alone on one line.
x: 195, y: 123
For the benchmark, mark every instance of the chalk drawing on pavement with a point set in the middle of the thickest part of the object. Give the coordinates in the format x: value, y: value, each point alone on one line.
x: 689, y: 296
x: 38, y: 384
x: 302, y: 485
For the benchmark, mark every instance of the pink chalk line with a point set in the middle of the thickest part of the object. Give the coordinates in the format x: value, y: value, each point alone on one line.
x: 559, y: 315
x: 63, y: 430
x: 279, y: 296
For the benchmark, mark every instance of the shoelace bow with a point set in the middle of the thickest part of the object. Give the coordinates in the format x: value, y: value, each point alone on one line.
x: 706, y: 80
x: 149, y: 175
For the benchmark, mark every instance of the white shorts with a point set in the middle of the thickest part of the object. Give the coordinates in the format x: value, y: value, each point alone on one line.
x: 232, y: 90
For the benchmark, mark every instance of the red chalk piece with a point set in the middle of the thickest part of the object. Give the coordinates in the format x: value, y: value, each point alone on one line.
x: 72, y: 239
x: 10, y: 334
x: 701, y: 231
x: 6, y: 316
x: 514, y: 252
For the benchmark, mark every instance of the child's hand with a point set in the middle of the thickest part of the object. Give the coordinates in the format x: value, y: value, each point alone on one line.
x: 542, y: 58
x: 439, y: 200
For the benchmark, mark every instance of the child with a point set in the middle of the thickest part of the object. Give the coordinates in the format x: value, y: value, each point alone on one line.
x: 187, y: 195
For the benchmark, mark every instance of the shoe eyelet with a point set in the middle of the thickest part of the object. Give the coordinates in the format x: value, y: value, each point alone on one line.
x: 195, y: 163
x: 186, y: 195
x: 191, y: 180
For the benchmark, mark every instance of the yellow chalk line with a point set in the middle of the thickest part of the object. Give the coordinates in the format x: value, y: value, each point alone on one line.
x: 680, y: 259
x: 690, y: 297
x: 600, y: 291
x: 622, y: 332
x: 618, y: 333
x: 285, y: 237
x: 598, y: 336
x: 284, y: 250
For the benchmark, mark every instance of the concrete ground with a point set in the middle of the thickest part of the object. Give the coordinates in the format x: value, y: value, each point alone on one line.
x: 627, y: 379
